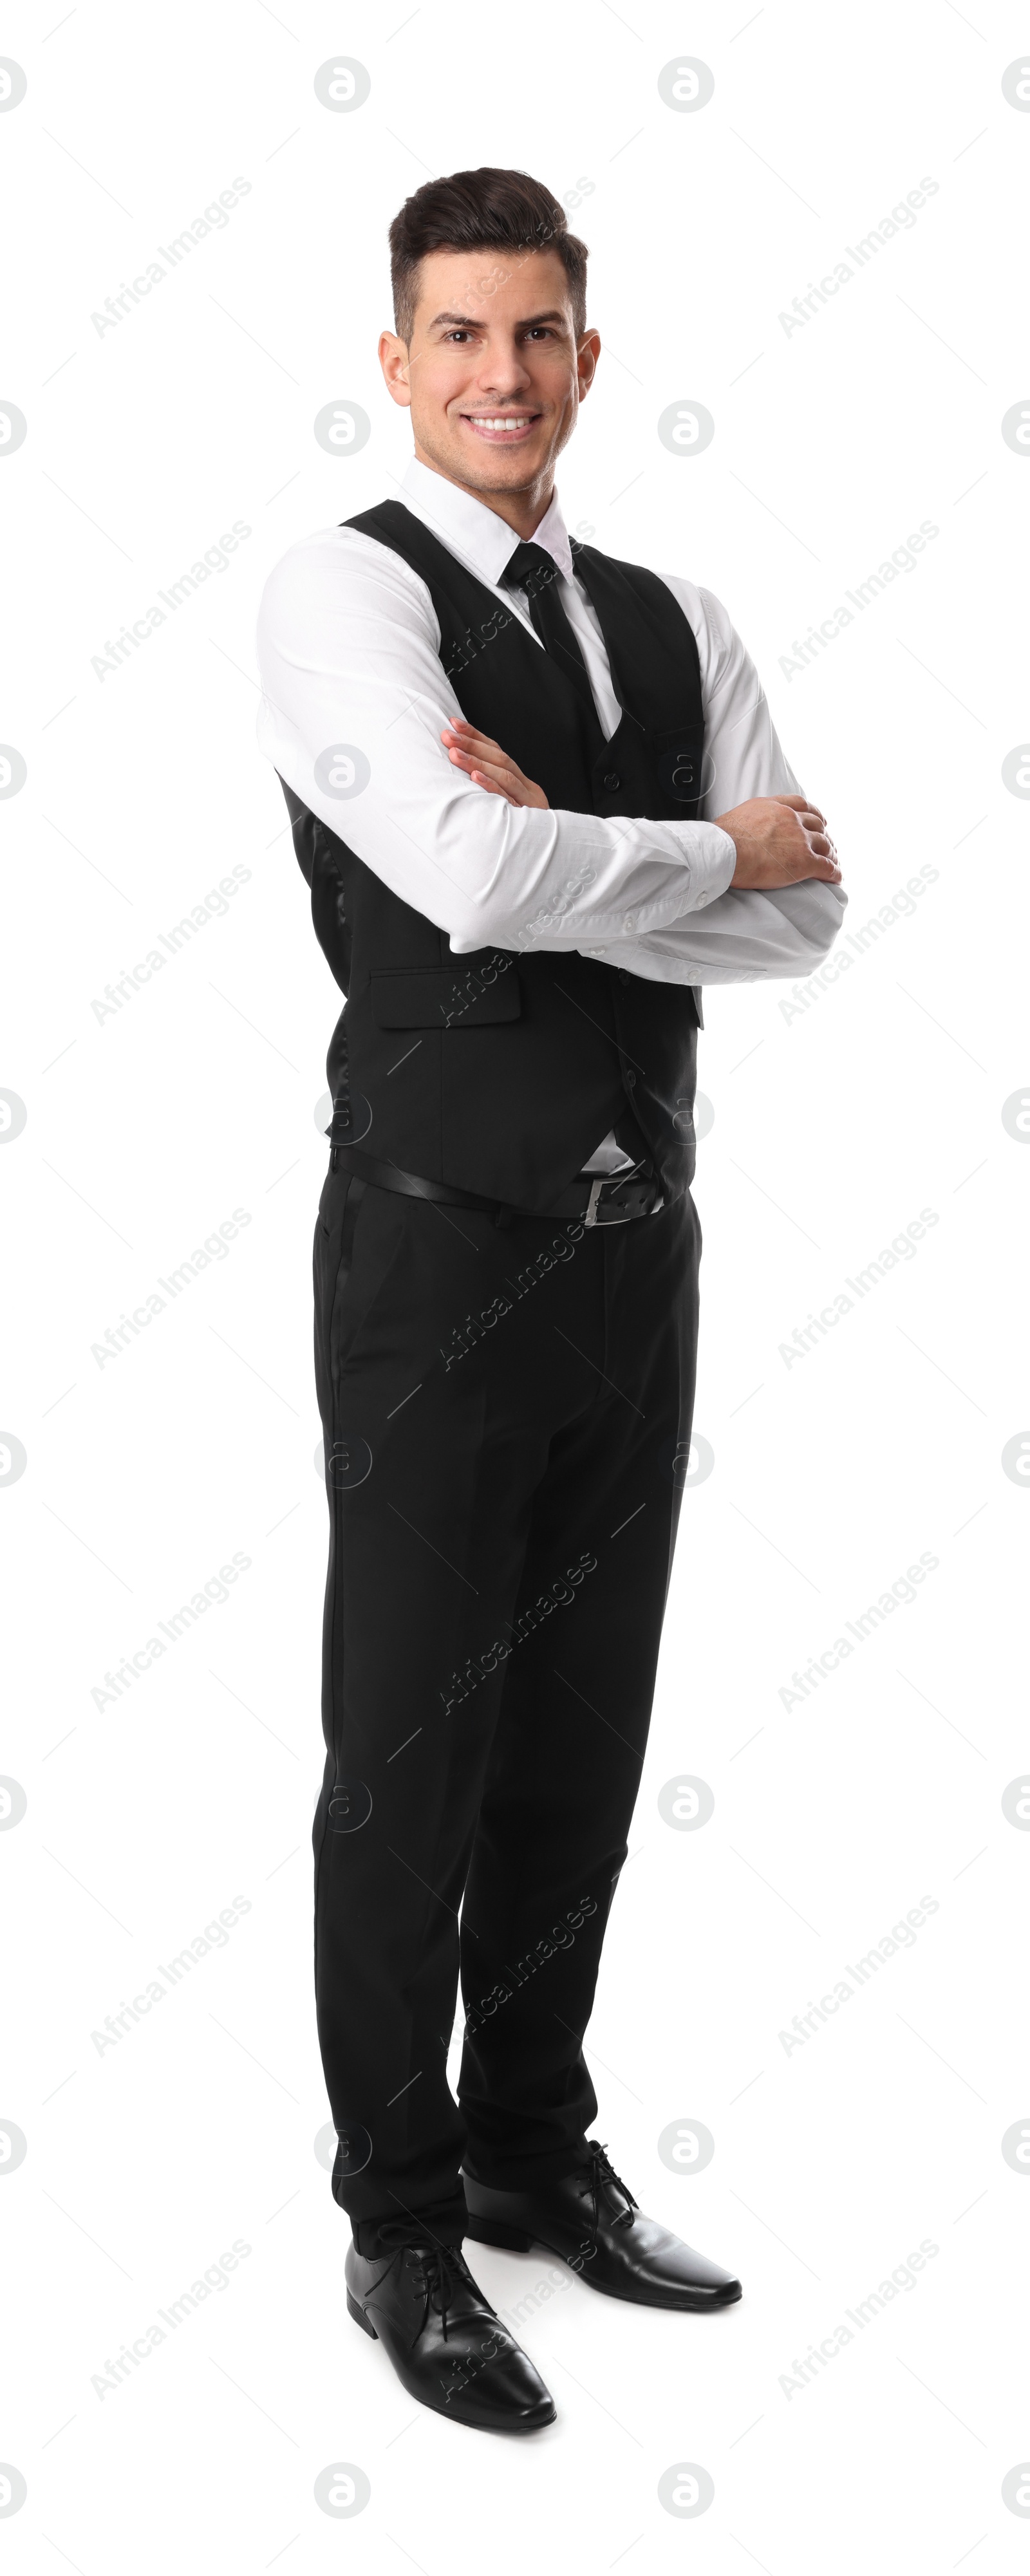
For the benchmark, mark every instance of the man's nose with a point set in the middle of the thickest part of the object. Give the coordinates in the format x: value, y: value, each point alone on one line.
x: 504, y: 371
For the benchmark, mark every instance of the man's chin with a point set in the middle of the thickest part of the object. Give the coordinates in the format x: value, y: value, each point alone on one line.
x: 498, y: 478
x: 489, y: 469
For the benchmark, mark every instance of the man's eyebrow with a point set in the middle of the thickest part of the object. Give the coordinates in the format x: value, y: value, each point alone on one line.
x: 471, y: 321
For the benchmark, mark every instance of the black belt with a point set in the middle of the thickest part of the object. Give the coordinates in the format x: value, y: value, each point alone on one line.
x: 599, y: 1198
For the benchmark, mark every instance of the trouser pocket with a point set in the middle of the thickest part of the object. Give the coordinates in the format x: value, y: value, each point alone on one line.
x: 332, y: 1259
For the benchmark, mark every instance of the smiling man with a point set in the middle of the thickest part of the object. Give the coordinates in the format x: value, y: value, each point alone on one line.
x: 539, y: 802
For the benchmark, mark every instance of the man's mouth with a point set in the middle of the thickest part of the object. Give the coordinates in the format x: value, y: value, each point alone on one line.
x: 501, y: 429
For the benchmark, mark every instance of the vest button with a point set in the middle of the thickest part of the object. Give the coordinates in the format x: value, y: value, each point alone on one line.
x: 612, y: 780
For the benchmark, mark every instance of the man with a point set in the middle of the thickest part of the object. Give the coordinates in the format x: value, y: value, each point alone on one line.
x: 500, y: 751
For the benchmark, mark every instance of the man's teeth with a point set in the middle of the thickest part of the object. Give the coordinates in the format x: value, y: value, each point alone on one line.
x: 480, y: 423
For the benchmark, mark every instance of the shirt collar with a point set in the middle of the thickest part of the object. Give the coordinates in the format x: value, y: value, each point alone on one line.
x: 472, y: 531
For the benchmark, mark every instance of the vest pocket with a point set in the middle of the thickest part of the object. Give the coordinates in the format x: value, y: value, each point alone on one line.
x: 447, y: 997
x: 679, y: 765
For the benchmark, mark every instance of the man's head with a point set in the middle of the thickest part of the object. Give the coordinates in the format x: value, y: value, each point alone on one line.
x: 489, y: 292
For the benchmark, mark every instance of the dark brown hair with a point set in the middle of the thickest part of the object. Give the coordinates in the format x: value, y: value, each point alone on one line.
x: 480, y: 210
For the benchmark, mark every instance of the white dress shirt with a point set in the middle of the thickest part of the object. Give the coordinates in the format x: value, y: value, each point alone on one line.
x: 349, y: 654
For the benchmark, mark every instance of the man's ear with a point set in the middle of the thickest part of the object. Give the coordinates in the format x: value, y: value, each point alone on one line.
x: 394, y: 361
x: 588, y: 351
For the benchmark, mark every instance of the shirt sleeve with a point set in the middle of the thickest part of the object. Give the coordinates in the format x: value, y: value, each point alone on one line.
x: 742, y: 936
x: 349, y: 656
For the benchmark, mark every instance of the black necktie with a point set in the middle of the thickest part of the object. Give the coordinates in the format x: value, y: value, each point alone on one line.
x: 534, y: 571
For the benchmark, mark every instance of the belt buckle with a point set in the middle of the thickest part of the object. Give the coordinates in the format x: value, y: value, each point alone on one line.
x: 611, y: 1215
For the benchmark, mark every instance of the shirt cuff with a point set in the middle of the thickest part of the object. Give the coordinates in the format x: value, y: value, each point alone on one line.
x: 712, y: 865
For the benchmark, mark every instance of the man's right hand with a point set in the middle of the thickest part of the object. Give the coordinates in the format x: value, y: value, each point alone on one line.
x: 779, y: 841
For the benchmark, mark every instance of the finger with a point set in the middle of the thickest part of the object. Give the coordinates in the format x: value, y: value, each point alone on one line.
x: 499, y: 768
x: 482, y: 750
x: 822, y: 856
x: 807, y: 812
x: 499, y: 780
x: 468, y: 736
x: 479, y: 779
x: 480, y: 746
x: 498, y: 775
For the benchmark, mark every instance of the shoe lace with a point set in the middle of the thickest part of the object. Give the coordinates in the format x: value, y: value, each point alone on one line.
x: 602, y: 2171
x: 440, y: 2271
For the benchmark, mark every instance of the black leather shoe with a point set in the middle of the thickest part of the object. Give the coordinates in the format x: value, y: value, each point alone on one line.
x: 444, y: 2339
x: 592, y: 2221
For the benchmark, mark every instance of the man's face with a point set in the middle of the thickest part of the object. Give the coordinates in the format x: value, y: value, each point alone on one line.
x: 494, y: 375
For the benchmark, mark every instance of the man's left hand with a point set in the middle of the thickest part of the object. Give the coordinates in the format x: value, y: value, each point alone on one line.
x: 488, y: 766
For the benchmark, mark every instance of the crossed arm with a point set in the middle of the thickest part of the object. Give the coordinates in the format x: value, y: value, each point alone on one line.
x: 779, y: 840
x: 348, y: 646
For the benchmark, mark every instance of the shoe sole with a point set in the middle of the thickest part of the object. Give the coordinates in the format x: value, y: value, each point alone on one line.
x: 539, y: 2426
x: 514, y: 2240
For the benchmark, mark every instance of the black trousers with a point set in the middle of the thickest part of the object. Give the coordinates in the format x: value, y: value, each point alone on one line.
x: 507, y: 1415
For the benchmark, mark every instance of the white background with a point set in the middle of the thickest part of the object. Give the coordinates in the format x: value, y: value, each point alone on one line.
x: 832, y: 1130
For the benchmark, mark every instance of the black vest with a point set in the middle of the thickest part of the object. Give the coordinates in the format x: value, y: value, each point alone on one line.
x: 501, y: 1071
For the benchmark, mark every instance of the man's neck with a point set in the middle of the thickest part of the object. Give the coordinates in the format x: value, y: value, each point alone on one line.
x: 522, y: 511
